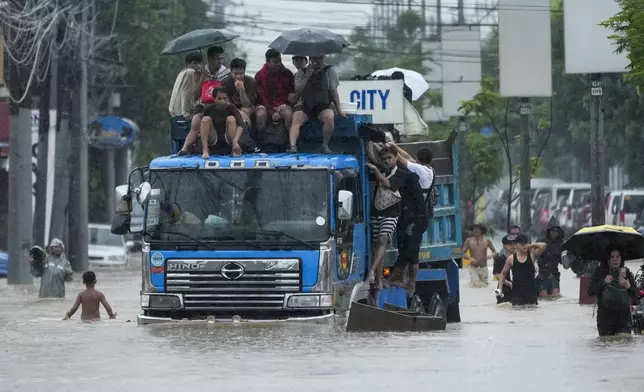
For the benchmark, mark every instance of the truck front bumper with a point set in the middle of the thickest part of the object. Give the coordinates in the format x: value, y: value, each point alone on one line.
x: 142, y: 319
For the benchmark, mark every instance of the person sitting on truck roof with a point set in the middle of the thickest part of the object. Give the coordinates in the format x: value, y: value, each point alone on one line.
x: 207, y: 77
x: 182, y: 101
x: 417, y: 212
x: 385, y: 212
x: 241, y: 88
x: 407, y: 93
x: 319, y: 90
x: 300, y: 63
x: 275, y: 83
x: 221, y: 128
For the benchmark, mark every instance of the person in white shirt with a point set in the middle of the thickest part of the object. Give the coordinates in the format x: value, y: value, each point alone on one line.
x: 412, y: 227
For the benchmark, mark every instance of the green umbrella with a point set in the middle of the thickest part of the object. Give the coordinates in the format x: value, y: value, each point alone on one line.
x: 198, y: 39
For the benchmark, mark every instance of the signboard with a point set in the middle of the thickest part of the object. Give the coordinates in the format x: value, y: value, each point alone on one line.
x: 587, y: 46
x: 525, y: 54
x: 460, y: 59
x: 383, y: 99
x: 112, y: 132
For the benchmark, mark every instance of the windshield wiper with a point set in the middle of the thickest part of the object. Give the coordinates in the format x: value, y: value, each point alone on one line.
x: 191, y: 238
x: 285, y: 234
x: 231, y: 238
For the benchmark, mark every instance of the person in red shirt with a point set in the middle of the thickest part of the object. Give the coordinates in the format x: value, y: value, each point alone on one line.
x: 274, y: 84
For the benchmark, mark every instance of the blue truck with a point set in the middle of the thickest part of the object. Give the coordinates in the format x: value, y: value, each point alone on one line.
x: 279, y: 236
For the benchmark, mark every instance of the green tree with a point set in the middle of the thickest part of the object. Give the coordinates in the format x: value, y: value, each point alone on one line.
x: 142, y: 28
x: 396, y: 45
x: 628, y: 25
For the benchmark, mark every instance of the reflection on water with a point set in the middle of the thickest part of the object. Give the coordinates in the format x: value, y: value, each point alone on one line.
x: 553, y: 347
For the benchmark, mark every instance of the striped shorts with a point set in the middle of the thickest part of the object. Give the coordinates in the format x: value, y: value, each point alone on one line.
x: 383, y: 226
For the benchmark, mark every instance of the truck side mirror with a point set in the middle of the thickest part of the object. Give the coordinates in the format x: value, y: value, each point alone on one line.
x: 121, y: 223
x: 345, y: 205
x: 142, y: 192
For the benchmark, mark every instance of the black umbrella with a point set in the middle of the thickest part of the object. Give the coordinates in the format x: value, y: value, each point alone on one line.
x: 198, y: 39
x: 591, y: 243
x: 309, y: 42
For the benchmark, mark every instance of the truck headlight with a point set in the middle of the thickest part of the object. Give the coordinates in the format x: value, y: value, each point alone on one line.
x: 310, y: 301
x: 145, y: 301
x: 163, y: 301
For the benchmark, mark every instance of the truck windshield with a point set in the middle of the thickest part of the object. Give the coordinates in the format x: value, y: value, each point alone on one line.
x: 266, y: 206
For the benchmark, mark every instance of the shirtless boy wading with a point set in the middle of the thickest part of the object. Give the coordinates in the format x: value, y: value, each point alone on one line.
x: 91, y: 300
x: 478, y: 246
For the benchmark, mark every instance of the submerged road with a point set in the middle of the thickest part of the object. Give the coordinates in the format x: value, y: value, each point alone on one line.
x: 496, y: 348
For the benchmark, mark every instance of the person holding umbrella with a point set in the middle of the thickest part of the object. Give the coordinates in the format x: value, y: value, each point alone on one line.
x: 612, y: 283
x: 319, y: 91
x: 319, y: 87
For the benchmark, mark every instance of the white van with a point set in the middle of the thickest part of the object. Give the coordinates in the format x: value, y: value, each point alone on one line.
x: 562, y: 210
x: 612, y: 203
x: 628, y: 208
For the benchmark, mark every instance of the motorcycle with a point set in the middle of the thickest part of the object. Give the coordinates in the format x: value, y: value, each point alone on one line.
x: 637, y: 313
x: 578, y: 266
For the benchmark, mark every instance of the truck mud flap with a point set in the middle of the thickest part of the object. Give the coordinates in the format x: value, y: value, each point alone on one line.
x: 366, y: 318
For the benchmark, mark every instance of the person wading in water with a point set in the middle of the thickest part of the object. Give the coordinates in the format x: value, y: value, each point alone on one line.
x: 613, y: 285
x: 524, y: 271
x: 478, y: 245
x: 549, y: 260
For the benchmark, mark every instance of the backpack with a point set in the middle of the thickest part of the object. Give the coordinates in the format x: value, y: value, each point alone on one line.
x: 615, y: 297
x: 432, y: 196
x: 274, y: 138
x: 207, y: 88
x: 413, y: 198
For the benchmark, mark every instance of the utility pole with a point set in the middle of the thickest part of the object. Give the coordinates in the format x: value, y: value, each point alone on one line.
x: 40, y: 210
x: 20, y: 195
x: 597, y: 150
x: 461, y: 12
x: 78, y: 203
x: 526, y: 165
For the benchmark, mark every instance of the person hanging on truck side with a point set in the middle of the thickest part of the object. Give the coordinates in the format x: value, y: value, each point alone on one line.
x: 319, y: 92
x: 385, y: 212
x: 221, y: 128
x: 417, y: 212
x: 275, y: 83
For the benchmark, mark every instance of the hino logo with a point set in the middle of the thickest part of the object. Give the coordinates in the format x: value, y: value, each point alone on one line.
x: 232, y: 271
x: 187, y: 266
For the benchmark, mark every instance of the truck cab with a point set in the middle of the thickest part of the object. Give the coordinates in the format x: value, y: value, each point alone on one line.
x: 273, y: 237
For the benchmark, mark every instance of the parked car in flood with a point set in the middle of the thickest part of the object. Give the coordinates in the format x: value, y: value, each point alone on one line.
x: 105, y: 248
x: 4, y: 264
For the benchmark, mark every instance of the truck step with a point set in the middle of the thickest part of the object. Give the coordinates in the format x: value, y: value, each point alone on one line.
x: 366, y: 318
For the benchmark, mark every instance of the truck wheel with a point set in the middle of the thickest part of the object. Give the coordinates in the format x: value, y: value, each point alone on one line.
x: 436, y: 306
x: 454, y: 313
x: 416, y: 304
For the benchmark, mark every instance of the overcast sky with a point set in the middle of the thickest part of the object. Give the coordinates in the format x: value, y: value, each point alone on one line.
x: 259, y: 24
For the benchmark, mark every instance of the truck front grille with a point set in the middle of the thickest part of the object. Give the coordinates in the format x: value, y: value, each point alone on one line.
x: 228, y: 285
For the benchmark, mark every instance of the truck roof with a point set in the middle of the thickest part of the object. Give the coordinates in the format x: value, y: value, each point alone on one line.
x: 258, y: 160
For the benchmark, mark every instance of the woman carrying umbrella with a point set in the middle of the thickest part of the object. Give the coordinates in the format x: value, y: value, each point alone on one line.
x: 614, y: 287
x: 612, y: 284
